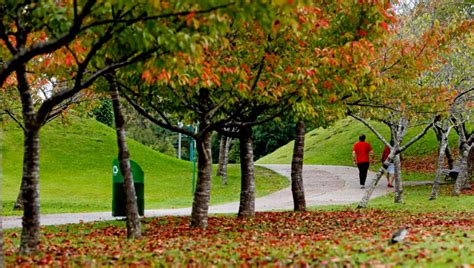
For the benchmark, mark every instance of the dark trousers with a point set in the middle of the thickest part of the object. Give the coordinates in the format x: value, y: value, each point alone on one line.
x: 363, y: 168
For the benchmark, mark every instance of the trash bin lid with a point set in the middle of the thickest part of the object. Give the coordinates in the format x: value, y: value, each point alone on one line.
x: 137, y: 172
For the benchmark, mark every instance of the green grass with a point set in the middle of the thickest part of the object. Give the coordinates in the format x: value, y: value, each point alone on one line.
x: 76, y: 171
x: 333, y: 146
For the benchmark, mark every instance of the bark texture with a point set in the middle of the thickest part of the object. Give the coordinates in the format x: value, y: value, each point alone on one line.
x: 31, y: 168
x: 463, y: 173
x: 465, y: 145
x: 398, y: 180
x: 224, y: 147
x: 447, y: 152
x: 247, y: 192
x: 443, y: 144
x: 199, y: 214
x: 19, y: 200
x: 297, y: 188
x: 133, y: 219
x: 31, y: 218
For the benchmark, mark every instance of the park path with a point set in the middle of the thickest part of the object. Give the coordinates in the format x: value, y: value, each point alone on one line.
x: 323, y: 185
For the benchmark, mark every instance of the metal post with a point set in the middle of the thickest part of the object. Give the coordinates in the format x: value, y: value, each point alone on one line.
x: 179, y: 146
x: 192, y: 157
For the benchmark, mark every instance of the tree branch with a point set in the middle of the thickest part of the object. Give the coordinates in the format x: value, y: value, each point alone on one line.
x: 57, y: 98
x: 416, y: 138
x: 24, y: 55
x: 9, y: 113
x: 363, y: 121
x: 158, y: 122
x: 162, y: 16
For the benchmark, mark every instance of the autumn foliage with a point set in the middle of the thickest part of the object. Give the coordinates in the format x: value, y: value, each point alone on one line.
x: 271, y: 238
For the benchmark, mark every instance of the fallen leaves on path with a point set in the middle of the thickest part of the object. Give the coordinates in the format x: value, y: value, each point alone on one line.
x: 341, y: 238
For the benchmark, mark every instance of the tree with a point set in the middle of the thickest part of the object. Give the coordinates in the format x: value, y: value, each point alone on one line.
x: 70, y: 42
x: 133, y: 219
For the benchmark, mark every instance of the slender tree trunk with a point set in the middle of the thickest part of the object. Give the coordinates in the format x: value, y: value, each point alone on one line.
x: 443, y: 144
x: 225, y: 161
x: 297, y: 169
x: 199, y: 214
x: 31, y: 167
x: 247, y: 192
x: 398, y: 181
x: 220, y: 165
x: 133, y: 219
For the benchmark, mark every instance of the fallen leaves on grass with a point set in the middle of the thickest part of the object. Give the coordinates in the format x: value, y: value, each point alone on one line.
x: 341, y: 238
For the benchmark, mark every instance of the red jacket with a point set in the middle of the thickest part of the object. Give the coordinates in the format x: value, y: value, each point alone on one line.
x: 362, y: 150
x: 386, y: 152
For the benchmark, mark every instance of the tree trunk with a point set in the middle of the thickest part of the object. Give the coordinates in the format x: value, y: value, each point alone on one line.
x: 31, y: 167
x: 247, y: 192
x: 449, y: 157
x: 447, y: 152
x: 462, y: 176
x: 199, y: 214
x: 220, y: 165
x: 133, y: 219
x: 297, y: 169
x: 398, y: 181
x: 19, y: 199
x: 31, y: 212
x: 223, y: 158
x: 470, y: 162
x: 443, y: 144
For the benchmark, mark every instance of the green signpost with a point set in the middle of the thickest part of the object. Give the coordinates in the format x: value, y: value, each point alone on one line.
x: 118, y: 191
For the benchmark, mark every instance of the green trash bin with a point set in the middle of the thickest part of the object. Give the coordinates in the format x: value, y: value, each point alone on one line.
x: 118, y: 191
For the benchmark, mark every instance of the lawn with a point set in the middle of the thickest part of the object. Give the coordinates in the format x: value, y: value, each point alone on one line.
x: 76, y: 171
x: 443, y: 235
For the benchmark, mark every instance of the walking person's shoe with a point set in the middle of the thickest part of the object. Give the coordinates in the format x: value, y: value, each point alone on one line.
x: 362, y: 187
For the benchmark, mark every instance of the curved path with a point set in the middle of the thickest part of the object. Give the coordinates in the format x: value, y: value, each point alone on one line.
x: 323, y: 185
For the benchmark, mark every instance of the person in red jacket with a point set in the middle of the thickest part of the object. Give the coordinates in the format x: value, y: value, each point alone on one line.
x: 391, y: 168
x: 361, y: 155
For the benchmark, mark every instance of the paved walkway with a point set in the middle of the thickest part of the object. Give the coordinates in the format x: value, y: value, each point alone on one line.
x: 323, y: 185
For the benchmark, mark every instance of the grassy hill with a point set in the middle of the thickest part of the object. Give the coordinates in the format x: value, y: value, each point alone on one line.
x: 76, y: 171
x: 333, y: 146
